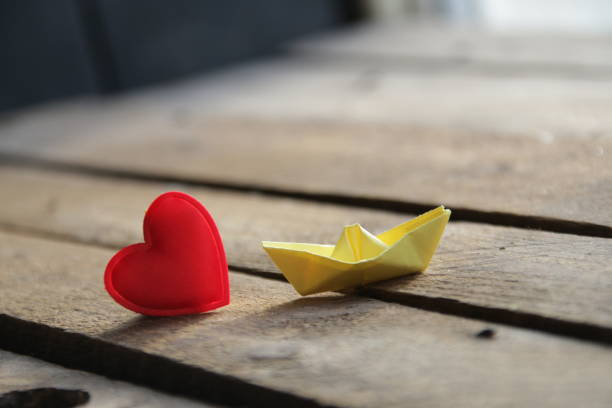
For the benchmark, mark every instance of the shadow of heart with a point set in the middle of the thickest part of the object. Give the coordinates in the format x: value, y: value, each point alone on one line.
x: 158, y: 328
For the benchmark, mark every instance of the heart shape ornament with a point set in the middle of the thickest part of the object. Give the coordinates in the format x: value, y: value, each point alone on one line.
x: 179, y: 269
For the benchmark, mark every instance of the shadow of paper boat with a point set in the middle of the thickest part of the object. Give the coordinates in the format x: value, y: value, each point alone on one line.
x: 359, y: 257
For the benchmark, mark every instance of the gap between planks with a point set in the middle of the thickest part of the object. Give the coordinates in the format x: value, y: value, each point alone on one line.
x: 34, y: 382
x: 500, y: 218
x: 453, y: 307
x: 428, y: 358
x: 82, y: 352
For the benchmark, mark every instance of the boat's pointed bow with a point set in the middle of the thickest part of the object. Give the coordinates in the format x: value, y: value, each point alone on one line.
x: 291, y: 262
x: 426, y: 237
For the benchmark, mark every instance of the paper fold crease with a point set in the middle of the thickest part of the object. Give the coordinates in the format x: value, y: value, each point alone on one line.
x: 359, y: 257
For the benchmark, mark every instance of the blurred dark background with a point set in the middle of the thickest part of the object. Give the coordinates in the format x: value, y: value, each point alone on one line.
x: 61, y: 48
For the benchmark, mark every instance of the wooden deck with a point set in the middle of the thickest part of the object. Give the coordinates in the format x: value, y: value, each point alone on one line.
x: 514, y: 134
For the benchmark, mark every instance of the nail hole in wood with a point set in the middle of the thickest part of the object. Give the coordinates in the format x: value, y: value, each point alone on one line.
x: 487, y: 333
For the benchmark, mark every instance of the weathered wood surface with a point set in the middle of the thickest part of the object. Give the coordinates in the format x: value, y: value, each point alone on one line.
x: 329, y: 91
x: 561, y: 171
x: 410, y: 42
x: 20, y: 373
x: 555, y: 276
x: 521, y: 145
x: 333, y: 349
x: 377, y: 130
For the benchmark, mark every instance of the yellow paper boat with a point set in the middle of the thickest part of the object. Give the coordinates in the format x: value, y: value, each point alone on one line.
x: 359, y: 257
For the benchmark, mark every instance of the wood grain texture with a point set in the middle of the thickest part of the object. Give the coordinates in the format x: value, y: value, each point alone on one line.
x: 521, y: 145
x: 302, y: 87
x: 20, y: 373
x: 565, y: 178
x: 557, y: 276
x: 332, y: 349
x: 457, y: 46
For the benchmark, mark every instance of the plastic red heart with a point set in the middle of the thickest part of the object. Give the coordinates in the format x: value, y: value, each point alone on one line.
x: 179, y: 269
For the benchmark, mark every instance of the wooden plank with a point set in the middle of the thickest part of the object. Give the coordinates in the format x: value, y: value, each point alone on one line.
x: 304, y: 88
x: 525, y: 273
x: 413, y: 41
x: 331, y: 349
x: 560, y: 144
x: 21, y: 373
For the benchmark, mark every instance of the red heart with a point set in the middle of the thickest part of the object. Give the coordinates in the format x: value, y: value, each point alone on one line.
x: 179, y: 269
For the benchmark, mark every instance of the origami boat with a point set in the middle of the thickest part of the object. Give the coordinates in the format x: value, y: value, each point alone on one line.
x: 359, y: 257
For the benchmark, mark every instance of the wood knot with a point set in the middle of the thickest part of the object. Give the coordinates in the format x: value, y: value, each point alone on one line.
x: 44, y: 398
